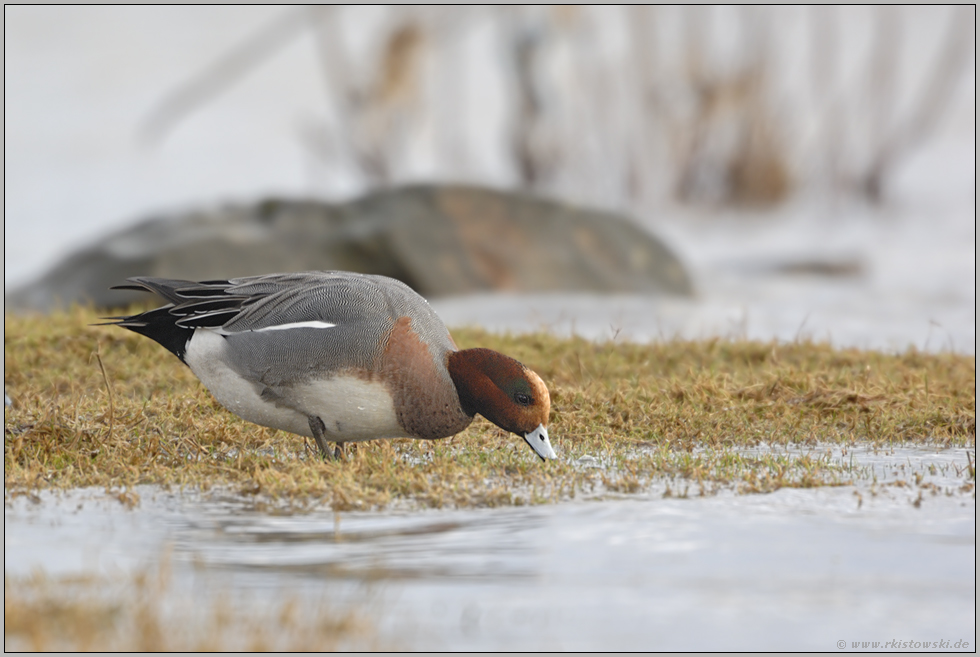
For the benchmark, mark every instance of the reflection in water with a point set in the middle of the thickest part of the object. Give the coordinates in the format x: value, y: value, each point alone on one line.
x: 363, y: 546
x: 794, y: 569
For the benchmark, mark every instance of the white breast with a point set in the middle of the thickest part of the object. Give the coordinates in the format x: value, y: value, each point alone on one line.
x: 351, y: 409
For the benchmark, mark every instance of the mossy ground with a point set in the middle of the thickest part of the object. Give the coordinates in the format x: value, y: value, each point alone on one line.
x: 101, y: 406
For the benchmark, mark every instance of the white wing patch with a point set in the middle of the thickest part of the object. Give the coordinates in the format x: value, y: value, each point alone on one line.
x: 296, y: 325
x: 313, y: 324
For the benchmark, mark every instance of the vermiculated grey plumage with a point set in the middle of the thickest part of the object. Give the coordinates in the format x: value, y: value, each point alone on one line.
x: 240, y: 308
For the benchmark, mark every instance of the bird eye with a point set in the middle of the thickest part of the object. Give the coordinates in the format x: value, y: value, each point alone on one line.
x: 523, y: 399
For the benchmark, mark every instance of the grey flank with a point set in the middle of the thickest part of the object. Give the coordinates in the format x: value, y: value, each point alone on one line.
x: 363, y: 309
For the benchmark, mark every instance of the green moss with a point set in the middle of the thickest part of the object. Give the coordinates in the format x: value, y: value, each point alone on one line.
x: 99, y: 406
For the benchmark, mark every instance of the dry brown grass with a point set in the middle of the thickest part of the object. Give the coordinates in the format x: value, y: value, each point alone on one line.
x: 100, y: 406
x: 146, y: 612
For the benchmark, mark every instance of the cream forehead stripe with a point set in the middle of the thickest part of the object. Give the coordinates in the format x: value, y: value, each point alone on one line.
x: 540, y: 389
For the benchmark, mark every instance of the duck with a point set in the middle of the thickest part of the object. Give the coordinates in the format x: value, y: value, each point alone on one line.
x: 339, y: 357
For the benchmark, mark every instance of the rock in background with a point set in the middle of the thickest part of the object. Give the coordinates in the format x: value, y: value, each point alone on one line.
x: 441, y: 240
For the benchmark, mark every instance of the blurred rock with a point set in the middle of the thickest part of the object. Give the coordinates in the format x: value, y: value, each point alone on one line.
x: 441, y: 240
x: 840, y: 267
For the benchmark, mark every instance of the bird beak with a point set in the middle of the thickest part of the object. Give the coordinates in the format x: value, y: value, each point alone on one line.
x: 538, y: 440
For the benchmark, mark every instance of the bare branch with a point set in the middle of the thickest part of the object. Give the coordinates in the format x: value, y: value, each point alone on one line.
x: 221, y: 74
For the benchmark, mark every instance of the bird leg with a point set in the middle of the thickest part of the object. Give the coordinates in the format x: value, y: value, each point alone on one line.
x: 319, y: 430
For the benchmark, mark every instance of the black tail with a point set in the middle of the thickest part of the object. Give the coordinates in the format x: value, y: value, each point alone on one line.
x: 207, y: 304
x: 158, y: 324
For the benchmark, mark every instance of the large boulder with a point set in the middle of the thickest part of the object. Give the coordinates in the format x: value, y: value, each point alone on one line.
x: 441, y: 240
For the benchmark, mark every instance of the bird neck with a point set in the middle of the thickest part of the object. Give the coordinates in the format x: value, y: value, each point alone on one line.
x: 477, y: 374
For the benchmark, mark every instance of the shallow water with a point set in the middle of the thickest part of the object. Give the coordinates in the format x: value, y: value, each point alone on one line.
x: 852, y: 278
x: 792, y: 570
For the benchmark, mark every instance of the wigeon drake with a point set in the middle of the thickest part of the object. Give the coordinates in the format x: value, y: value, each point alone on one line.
x: 339, y: 357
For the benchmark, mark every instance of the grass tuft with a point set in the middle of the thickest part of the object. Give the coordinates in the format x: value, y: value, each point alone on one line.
x: 99, y: 406
x: 147, y: 611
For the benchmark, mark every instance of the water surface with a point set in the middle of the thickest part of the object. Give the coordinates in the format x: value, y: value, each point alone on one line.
x: 797, y: 569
